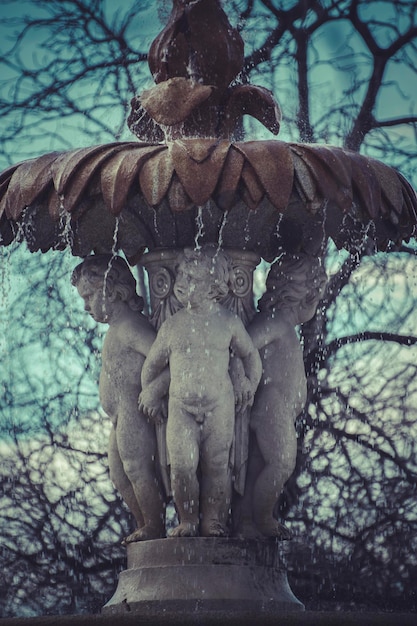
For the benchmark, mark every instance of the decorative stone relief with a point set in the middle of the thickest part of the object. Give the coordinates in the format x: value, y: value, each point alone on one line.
x: 195, y: 377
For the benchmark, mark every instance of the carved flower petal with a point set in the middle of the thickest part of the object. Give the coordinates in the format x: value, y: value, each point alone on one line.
x: 390, y: 187
x: 6, y: 175
x: 305, y: 184
x: 273, y: 165
x: 365, y: 185
x: 155, y: 176
x: 253, y: 186
x: 11, y: 203
x: 74, y: 187
x: 255, y: 101
x: 409, y: 214
x: 141, y: 123
x: 197, y: 149
x: 68, y: 164
x: 28, y: 182
x: 199, y: 177
x: 177, y: 197
x: 330, y: 170
x: 173, y: 100
x: 225, y: 193
x: 119, y: 172
x: 5, y: 178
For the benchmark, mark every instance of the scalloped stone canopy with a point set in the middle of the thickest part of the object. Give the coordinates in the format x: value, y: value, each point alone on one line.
x: 261, y: 196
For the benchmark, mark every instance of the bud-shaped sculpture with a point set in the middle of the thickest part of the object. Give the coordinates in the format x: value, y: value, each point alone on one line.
x: 194, y: 60
x: 180, y: 50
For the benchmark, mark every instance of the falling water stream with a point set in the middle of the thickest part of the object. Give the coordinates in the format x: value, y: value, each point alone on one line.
x: 352, y: 505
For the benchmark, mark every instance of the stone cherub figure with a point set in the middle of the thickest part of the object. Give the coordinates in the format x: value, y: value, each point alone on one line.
x: 294, y: 287
x: 196, y: 343
x: 108, y: 289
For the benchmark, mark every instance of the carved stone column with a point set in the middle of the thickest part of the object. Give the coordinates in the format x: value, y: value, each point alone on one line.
x: 161, y: 268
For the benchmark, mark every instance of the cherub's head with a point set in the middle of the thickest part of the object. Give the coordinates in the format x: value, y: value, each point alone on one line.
x: 295, y: 282
x: 202, y: 274
x: 103, y: 281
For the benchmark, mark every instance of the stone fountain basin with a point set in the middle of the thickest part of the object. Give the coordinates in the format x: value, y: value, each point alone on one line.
x: 261, y: 196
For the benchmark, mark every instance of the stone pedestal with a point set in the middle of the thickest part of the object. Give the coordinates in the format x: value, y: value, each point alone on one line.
x: 205, y: 575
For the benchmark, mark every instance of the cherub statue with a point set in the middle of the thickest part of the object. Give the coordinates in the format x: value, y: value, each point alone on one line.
x: 108, y: 289
x: 294, y: 287
x: 196, y: 343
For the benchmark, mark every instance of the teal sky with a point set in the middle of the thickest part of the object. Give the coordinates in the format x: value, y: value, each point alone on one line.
x: 331, y: 86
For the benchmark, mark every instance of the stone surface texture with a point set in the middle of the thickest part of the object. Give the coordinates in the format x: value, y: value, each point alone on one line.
x: 203, y: 397
x: 203, y: 576
x: 203, y: 393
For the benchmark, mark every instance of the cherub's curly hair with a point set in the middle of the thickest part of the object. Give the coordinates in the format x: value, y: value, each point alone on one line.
x: 292, y: 280
x: 216, y: 261
x: 114, y: 271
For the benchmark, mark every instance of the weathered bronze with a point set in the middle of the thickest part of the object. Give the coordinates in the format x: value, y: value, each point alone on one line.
x: 265, y: 196
x: 205, y: 208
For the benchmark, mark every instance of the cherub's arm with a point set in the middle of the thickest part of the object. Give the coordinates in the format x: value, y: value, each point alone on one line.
x: 243, y: 347
x: 157, y: 359
x: 142, y: 340
x: 241, y: 385
x: 155, y: 379
x: 264, y: 329
x: 152, y: 399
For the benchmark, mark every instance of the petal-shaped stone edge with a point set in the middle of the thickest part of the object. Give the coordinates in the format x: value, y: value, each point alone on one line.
x: 155, y: 177
x: 323, y: 173
x: 189, y: 172
x: 119, y: 173
x: 226, y: 191
x: 173, y: 100
x: 251, y: 100
x: 28, y: 181
x: 73, y: 172
x: 198, y: 164
x: 272, y: 163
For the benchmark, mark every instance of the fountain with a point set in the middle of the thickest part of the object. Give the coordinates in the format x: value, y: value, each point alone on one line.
x: 199, y: 210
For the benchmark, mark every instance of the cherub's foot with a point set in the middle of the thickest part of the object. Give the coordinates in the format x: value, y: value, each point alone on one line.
x: 185, y: 529
x: 247, y: 530
x: 272, y: 528
x: 144, y: 534
x: 213, y: 528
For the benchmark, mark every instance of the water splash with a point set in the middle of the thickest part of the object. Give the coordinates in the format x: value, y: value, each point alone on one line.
x: 221, y: 229
x: 200, y: 228
x: 247, y: 229
x: 277, y: 230
x: 171, y: 133
x: 113, y: 255
x: 24, y: 226
x: 66, y: 233
x: 155, y: 221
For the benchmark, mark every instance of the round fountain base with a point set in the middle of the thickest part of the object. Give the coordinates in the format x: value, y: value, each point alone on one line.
x: 214, y: 576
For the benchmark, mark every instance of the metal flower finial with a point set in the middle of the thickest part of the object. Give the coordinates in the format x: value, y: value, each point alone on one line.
x: 194, y: 60
x: 194, y: 28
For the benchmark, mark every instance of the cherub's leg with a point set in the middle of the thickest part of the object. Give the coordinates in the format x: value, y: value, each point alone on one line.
x: 136, y: 442
x: 183, y: 434
x: 121, y: 481
x: 215, y: 495
x: 277, y: 443
x: 243, y: 523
